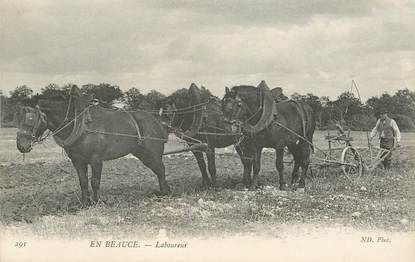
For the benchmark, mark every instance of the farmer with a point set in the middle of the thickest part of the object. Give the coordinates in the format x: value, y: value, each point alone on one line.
x: 388, y: 131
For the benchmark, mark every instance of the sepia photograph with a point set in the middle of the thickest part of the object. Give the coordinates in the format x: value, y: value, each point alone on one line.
x: 191, y: 130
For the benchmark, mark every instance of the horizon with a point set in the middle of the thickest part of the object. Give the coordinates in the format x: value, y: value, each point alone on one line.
x: 350, y: 89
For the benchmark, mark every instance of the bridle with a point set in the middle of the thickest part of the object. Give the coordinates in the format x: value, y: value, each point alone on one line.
x: 170, y: 114
x: 34, y: 120
x: 64, y: 123
x: 41, y: 118
x: 173, y: 112
x: 239, y: 106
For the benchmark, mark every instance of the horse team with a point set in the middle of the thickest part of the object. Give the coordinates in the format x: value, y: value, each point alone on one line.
x: 247, y: 117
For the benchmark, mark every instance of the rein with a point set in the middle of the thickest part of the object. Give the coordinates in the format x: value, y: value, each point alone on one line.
x: 64, y: 124
x: 40, y: 118
x: 75, y: 121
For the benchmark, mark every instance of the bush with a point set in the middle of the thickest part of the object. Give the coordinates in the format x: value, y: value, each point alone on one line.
x: 10, y: 124
x: 405, y: 123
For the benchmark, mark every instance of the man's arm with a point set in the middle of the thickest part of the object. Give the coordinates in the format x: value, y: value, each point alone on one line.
x: 374, y: 130
x: 397, y: 132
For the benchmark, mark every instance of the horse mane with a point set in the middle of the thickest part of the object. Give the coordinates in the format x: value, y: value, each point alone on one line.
x: 30, y: 102
x: 243, y: 88
x: 183, y: 98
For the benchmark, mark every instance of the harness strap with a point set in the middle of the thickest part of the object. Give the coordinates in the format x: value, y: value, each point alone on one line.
x: 197, y: 123
x: 300, y: 110
x: 79, y: 127
x: 137, y: 128
x: 267, y: 107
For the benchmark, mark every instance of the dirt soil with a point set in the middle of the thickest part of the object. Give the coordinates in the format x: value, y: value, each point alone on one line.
x: 44, y: 197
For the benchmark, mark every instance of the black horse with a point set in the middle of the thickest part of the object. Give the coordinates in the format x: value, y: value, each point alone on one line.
x: 272, y: 125
x: 199, y: 116
x: 91, y: 134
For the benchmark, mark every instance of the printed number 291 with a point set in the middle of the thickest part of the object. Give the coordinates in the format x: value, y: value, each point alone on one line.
x: 20, y: 244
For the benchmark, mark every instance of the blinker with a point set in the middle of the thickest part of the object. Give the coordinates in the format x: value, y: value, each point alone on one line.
x: 30, y: 120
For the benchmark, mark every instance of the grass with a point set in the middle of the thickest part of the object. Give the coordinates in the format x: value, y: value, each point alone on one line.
x: 42, y: 198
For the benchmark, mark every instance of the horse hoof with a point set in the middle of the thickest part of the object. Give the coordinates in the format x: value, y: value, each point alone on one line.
x: 96, y: 202
x: 294, y: 186
x: 206, y: 185
x: 240, y: 186
x: 85, y: 201
x: 283, y: 187
x: 164, y: 193
x: 86, y: 204
x: 213, y: 187
x: 247, y: 182
x: 300, y: 190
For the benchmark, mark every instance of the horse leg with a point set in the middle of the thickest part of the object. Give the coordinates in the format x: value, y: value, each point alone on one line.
x: 247, y: 163
x: 304, y: 165
x: 210, y: 155
x: 297, y: 163
x: 82, y: 171
x: 96, y: 165
x: 155, y: 163
x: 256, y: 167
x: 294, y: 174
x: 301, y: 183
x: 202, y: 166
x: 279, y: 164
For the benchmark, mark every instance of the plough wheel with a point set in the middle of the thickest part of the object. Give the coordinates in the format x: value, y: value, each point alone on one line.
x: 352, y: 162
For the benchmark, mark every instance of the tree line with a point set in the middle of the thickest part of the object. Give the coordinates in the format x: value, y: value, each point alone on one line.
x: 346, y: 109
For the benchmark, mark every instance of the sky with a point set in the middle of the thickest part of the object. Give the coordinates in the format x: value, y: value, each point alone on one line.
x: 303, y: 46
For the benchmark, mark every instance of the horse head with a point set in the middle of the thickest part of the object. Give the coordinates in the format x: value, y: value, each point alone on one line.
x: 240, y: 103
x: 166, y: 107
x: 31, y: 123
x: 248, y: 105
x: 179, y: 108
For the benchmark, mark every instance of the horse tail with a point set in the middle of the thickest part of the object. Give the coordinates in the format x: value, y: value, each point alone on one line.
x: 302, y: 114
x: 311, y: 124
x: 307, y: 121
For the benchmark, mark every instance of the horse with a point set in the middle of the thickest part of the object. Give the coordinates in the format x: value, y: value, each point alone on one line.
x: 91, y: 134
x: 198, y: 116
x: 272, y: 125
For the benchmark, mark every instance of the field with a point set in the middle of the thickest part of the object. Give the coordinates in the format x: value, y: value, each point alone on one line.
x: 40, y: 196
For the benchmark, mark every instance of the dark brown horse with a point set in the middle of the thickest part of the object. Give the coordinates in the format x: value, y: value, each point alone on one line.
x: 200, y: 117
x: 91, y: 134
x: 272, y: 125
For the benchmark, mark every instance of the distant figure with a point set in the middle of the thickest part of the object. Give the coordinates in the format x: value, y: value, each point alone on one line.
x: 388, y: 131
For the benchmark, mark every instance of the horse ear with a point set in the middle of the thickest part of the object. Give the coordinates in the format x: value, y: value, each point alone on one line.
x: 75, y: 91
x: 193, y: 86
x: 227, y: 91
x: 263, y: 84
x: 194, y: 94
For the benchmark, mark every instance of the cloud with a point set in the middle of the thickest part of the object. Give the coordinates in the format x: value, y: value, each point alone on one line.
x: 311, y: 46
x: 271, y: 11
